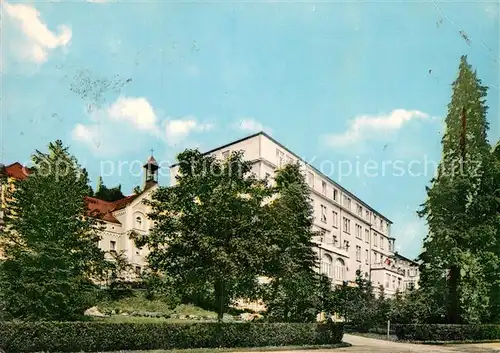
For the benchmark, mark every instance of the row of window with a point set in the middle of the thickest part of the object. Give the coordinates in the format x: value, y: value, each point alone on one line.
x: 358, y: 228
x: 346, y: 201
x: 396, y: 282
x: 335, y: 270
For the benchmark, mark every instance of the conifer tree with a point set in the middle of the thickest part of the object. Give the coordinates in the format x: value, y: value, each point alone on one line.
x: 456, y: 210
x: 50, y: 245
x: 290, y: 296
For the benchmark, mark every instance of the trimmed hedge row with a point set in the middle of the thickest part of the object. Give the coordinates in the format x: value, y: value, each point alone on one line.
x: 447, y: 332
x: 101, y: 336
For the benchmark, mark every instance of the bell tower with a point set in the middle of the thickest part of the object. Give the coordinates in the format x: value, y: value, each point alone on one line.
x: 151, y: 171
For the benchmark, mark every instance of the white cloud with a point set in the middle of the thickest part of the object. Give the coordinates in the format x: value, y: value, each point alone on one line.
x: 251, y: 125
x: 130, y: 122
x: 177, y: 130
x: 371, y: 127
x: 135, y: 110
x: 36, y: 40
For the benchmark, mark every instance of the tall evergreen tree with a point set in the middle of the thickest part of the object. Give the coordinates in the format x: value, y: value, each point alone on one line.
x: 209, y: 228
x: 292, y: 259
x: 453, y: 270
x: 50, y: 246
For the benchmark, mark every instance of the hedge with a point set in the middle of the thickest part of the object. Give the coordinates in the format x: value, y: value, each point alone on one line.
x: 447, y: 332
x: 17, y: 337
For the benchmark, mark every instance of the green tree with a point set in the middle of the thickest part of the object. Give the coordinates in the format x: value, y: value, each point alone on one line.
x: 209, y: 233
x: 460, y: 227
x: 108, y: 194
x: 292, y: 259
x: 49, y: 244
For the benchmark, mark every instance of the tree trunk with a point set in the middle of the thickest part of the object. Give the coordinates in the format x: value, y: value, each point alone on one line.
x: 453, y: 316
x: 219, y: 299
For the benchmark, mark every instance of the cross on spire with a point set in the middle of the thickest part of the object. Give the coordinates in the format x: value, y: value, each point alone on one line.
x: 152, y: 150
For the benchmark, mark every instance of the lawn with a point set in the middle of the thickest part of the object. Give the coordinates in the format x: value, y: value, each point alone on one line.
x: 137, y: 308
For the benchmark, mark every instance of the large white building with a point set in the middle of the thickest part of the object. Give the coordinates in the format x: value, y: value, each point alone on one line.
x: 353, y: 235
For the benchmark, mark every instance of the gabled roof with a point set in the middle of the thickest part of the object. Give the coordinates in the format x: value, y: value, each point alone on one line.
x: 16, y: 170
x: 101, y: 209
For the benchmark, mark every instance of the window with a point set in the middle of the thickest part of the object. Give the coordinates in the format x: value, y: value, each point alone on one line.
x: 359, y: 209
x: 374, y: 220
x: 323, y: 187
x: 138, y: 270
x: 346, y: 245
x: 393, y: 282
x: 375, y: 240
x: 335, y: 241
x: 335, y: 217
x: 367, y: 235
x: 358, y: 231
x: 323, y: 213
x: 280, y: 158
x: 112, y: 245
x: 374, y: 257
x: 382, y: 242
x: 289, y: 160
x: 339, y: 269
x: 399, y: 283
x: 358, y: 253
x: 367, y: 255
x: 387, y: 280
x: 335, y: 195
x: 381, y: 225
x: 225, y: 154
x: 367, y: 215
x: 327, y: 265
x: 310, y: 179
x: 347, y: 202
x: 138, y: 222
x: 347, y: 225
x: 268, y: 176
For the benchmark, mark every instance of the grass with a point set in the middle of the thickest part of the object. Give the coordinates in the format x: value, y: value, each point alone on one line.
x: 243, y: 349
x: 137, y: 302
x: 140, y: 319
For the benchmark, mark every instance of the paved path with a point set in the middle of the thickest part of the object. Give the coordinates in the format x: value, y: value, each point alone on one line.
x: 363, y: 344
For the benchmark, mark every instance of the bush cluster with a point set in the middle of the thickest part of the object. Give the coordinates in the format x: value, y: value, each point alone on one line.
x: 447, y: 332
x: 17, y: 337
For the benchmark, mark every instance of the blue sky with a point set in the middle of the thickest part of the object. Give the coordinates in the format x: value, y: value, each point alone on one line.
x: 357, y: 82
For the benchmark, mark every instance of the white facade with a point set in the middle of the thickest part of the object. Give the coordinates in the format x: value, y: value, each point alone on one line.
x: 353, y: 236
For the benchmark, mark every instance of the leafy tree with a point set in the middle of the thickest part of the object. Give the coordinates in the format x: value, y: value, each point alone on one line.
x: 50, y: 246
x: 209, y: 233
x: 458, y: 208
x: 108, y: 194
x: 292, y: 259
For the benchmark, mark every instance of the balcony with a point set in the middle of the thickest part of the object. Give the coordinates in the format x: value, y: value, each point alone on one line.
x: 384, y: 266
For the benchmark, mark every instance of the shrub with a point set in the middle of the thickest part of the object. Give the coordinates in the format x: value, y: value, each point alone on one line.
x: 18, y: 337
x: 447, y: 332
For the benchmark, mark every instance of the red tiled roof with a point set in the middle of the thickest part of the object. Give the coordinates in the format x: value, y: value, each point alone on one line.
x: 17, y: 171
x: 101, y: 209
x: 96, y: 207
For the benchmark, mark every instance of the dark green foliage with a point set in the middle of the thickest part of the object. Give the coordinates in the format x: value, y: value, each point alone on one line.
x: 293, y: 295
x: 447, y: 332
x: 358, y: 304
x: 108, y: 194
x: 98, y: 336
x: 209, y: 233
x: 461, y: 256
x: 50, y: 247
